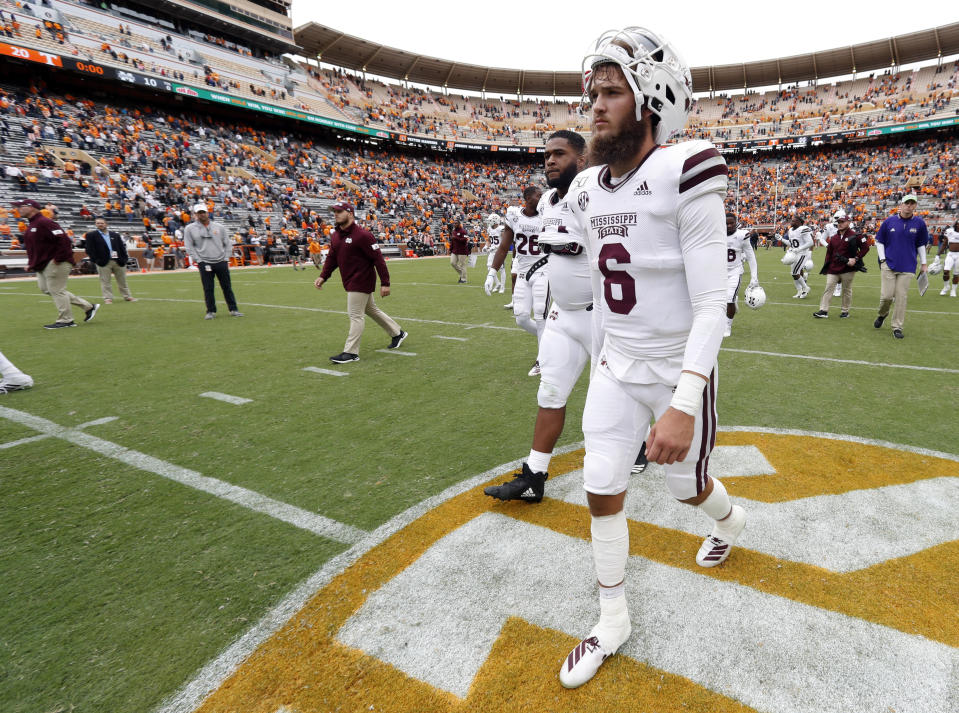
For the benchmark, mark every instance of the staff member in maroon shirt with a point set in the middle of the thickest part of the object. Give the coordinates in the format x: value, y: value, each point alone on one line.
x: 459, y: 251
x: 355, y: 252
x: 844, y: 255
x: 50, y: 255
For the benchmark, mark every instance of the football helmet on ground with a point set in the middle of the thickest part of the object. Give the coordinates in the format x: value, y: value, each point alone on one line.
x: 790, y: 258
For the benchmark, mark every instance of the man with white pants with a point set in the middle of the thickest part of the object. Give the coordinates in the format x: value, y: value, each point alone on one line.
x: 653, y: 218
x: 531, y: 295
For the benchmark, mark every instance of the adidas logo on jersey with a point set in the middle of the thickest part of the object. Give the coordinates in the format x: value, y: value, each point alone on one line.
x: 643, y: 190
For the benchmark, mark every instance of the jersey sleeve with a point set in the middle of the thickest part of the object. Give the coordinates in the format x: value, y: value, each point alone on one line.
x: 702, y: 235
x: 703, y: 171
x: 804, y: 236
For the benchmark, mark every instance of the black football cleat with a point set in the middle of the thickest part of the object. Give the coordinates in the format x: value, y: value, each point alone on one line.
x: 526, y: 485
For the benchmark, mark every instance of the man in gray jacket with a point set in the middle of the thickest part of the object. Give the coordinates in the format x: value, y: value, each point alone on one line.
x: 210, y: 249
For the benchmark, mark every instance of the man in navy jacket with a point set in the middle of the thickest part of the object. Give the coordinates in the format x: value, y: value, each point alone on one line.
x: 901, y: 239
x: 106, y: 249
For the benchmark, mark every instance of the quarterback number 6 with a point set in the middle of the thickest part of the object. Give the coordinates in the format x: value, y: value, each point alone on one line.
x: 625, y: 300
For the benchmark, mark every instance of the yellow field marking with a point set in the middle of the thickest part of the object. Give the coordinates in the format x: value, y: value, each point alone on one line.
x: 807, y: 466
x: 305, y: 669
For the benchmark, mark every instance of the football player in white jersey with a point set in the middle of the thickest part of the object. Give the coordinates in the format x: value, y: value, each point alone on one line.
x: 494, y: 228
x: 531, y: 294
x: 569, y: 339
x: 739, y: 245
x: 950, y: 238
x: 653, y: 217
x: 799, y: 239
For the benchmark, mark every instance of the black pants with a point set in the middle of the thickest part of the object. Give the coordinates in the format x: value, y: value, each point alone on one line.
x: 222, y: 272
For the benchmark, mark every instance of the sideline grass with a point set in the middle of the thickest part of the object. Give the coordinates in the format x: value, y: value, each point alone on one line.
x: 114, y: 578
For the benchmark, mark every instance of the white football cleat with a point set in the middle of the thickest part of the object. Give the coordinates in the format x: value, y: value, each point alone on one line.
x: 716, y: 548
x: 837, y: 292
x: 728, y: 331
x: 804, y: 294
x: 797, y: 295
x: 534, y: 370
x: 509, y: 306
x: 585, y: 659
x: 945, y: 290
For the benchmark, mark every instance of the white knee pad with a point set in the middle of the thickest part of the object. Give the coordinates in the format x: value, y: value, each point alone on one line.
x: 717, y: 504
x: 610, y: 536
x: 681, y: 480
x: 550, y: 395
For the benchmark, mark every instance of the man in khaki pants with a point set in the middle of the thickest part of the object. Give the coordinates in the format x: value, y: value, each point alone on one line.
x: 459, y: 252
x: 901, y: 239
x: 50, y: 256
x: 108, y: 252
x: 356, y: 253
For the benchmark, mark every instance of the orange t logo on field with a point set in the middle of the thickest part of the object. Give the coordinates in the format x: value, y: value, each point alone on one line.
x: 840, y: 593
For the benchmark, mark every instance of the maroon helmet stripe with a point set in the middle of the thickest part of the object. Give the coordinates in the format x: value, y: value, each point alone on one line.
x: 719, y: 170
x: 697, y: 159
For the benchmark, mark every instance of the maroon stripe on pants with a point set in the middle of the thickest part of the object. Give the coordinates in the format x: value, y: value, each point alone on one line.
x: 707, y: 436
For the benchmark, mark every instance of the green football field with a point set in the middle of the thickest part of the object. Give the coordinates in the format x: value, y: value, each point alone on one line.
x: 145, y: 526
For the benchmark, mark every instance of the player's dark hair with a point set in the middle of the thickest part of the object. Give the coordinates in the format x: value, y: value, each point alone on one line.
x: 574, y: 139
x: 528, y: 192
x: 730, y: 214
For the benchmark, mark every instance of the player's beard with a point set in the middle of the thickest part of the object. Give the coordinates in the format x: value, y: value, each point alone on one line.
x: 619, y: 147
x: 564, y: 180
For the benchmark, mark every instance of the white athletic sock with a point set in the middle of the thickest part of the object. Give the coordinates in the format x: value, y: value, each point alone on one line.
x: 610, y: 540
x: 798, y: 283
x: 803, y: 283
x: 717, y: 505
x: 538, y: 461
x: 611, y: 593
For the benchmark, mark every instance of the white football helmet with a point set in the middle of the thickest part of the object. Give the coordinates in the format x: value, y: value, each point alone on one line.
x: 755, y: 296
x: 839, y: 214
x: 936, y: 266
x: 790, y: 258
x: 809, y: 265
x: 493, y: 220
x: 654, y: 70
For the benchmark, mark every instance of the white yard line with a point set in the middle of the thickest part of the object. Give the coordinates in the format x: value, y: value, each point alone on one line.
x: 31, y: 439
x: 312, y: 522
x: 226, y: 398
x: 318, y: 370
x: 842, y: 361
x: 452, y: 339
x: 393, y: 351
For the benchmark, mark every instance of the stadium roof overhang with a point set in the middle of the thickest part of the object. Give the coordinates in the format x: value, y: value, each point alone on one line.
x: 342, y: 50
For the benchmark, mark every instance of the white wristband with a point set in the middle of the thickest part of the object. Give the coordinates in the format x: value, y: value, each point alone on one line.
x: 688, y: 395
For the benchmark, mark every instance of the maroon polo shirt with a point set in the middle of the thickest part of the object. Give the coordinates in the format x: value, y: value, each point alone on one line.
x: 459, y: 245
x: 356, y: 253
x: 842, y: 246
x: 46, y: 241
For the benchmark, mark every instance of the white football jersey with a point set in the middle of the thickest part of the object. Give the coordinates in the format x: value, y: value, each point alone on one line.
x: 656, y: 242
x: 800, y: 239
x: 569, y: 276
x: 952, y: 236
x: 525, y: 239
x: 493, y: 238
x: 738, y: 247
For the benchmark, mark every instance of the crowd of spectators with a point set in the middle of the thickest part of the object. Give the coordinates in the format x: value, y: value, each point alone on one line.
x: 145, y: 167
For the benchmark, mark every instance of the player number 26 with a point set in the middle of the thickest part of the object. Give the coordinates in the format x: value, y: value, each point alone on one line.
x: 619, y: 288
x: 527, y: 245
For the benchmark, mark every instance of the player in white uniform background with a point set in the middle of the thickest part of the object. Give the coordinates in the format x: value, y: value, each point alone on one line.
x: 800, y: 241
x: 739, y: 246
x: 822, y: 240
x: 950, y: 238
x: 494, y: 228
x: 531, y: 294
x: 568, y: 337
x: 654, y: 220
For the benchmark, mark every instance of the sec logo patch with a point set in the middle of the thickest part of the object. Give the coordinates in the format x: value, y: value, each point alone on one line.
x: 840, y: 596
x: 583, y: 200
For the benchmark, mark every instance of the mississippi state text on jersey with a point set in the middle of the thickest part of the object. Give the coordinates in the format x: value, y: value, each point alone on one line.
x: 661, y: 222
